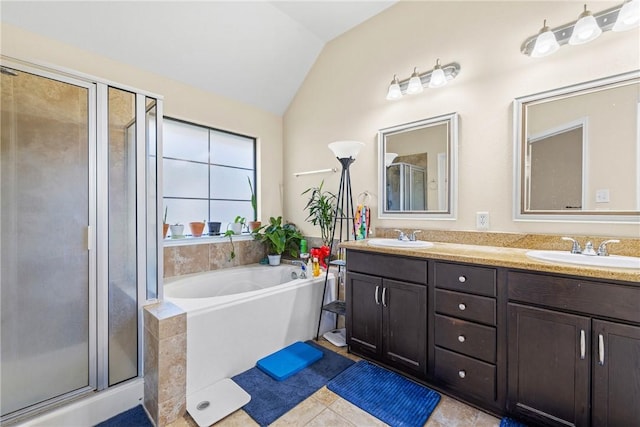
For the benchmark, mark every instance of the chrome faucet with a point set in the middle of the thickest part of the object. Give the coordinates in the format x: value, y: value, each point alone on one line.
x: 412, y: 236
x: 575, y: 249
x: 401, y: 235
x: 602, y: 248
x: 303, y: 273
x: 588, y: 249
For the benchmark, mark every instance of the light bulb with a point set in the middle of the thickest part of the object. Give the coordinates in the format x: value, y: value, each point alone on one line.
x: 546, y: 43
x: 586, y: 29
x: 628, y: 16
x: 394, y: 91
x: 437, y: 76
x: 415, y: 84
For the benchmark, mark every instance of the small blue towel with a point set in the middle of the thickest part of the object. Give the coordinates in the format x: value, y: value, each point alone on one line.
x: 288, y: 361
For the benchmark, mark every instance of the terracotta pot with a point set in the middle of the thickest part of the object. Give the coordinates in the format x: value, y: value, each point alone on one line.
x: 165, y: 228
x: 254, y: 225
x: 196, y: 228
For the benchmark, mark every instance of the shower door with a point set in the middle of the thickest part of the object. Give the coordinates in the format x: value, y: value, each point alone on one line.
x: 47, y: 282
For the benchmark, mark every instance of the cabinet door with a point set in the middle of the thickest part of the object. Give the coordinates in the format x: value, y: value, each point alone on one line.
x: 616, y: 374
x: 549, y: 362
x: 404, y: 319
x: 364, y: 331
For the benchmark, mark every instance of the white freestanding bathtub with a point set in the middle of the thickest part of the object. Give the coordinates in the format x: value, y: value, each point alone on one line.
x: 236, y: 316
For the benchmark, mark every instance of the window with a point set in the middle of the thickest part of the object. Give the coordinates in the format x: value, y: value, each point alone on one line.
x: 205, y: 174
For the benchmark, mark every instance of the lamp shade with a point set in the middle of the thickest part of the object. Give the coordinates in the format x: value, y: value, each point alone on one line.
x: 585, y: 30
x: 389, y: 158
x: 346, y: 149
x: 415, y: 84
x: 546, y: 43
x: 628, y: 17
x: 394, y: 91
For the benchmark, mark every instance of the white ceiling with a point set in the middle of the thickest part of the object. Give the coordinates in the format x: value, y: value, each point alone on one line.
x: 256, y: 52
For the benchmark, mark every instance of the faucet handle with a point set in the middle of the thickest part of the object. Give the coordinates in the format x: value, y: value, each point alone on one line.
x: 575, y: 249
x: 412, y: 236
x: 401, y: 235
x: 602, y: 248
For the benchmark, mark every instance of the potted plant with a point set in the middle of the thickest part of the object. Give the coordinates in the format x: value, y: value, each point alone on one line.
x: 321, y: 207
x: 255, y: 224
x: 197, y: 228
x: 177, y: 231
x: 279, y: 238
x: 236, y: 225
x: 165, y: 225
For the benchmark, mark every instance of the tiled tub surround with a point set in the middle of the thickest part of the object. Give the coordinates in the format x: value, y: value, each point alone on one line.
x: 165, y: 362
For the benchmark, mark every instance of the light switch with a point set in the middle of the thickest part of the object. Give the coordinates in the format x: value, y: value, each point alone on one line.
x: 602, y: 196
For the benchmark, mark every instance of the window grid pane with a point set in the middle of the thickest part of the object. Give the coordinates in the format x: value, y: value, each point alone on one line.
x: 211, y: 185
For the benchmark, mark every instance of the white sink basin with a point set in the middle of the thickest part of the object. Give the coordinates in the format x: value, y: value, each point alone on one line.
x: 592, y: 261
x: 395, y: 243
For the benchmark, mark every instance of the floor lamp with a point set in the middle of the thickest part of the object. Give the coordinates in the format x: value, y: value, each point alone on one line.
x: 345, y: 152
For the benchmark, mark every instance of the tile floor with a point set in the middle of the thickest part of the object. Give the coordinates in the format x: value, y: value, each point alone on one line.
x: 326, y: 409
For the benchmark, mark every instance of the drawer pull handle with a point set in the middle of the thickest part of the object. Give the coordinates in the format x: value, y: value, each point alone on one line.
x: 600, y: 349
x: 462, y: 306
x: 376, y: 295
x: 461, y: 338
x: 462, y: 373
x: 462, y: 279
x: 583, y: 344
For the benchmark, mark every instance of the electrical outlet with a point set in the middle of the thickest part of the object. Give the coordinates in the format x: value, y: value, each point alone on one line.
x: 482, y: 220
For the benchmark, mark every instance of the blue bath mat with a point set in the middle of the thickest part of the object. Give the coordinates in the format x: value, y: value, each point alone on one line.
x: 386, y: 395
x: 291, y: 359
x: 135, y: 417
x: 510, y: 422
x: 270, y: 399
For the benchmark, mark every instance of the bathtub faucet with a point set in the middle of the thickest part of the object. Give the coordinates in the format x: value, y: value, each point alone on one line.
x: 303, y: 273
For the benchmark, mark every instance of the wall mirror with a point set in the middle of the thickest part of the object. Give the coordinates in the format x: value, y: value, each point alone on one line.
x: 417, y: 169
x: 577, y: 152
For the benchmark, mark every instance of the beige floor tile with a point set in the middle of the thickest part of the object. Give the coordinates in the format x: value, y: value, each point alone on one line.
x: 354, y: 414
x: 452, y: 413
x: 303, y: 413
x: 238, y: 418
x: 328, y: 418
x: 485, y: 420
x: 325, y: 396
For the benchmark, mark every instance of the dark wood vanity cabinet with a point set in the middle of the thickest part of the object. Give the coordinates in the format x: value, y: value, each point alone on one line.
x: 466, y: 334
x: 387, y: 310
x: 573, y: 351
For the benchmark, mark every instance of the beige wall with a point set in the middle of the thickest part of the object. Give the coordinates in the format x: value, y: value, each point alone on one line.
x: 180, y: 101
x: 343, y: 97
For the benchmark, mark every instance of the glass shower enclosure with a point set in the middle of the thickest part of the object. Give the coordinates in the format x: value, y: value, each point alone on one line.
x: 78, y: 236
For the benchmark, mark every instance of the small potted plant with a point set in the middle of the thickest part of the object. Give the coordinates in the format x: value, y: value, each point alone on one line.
x: 197, y: 228
x: 165, y: 225
x: 279, y: 238
x: 255, y: 224
x: 237, y: 225
x: 321, y: 207
x: 177, y: 231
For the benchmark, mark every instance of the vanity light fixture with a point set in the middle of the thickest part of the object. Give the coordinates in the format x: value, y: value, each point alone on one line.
x: 622, y: 17
x: 439, y: 76
x: 546, y: 42
x: 586, y: 29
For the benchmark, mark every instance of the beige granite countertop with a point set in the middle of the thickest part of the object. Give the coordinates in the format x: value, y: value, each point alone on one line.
x: 499, y: 257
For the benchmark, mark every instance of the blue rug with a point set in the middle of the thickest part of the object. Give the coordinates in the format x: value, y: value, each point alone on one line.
x: 510, y: 422
x: 135, y: 417
x: 386, y: 395
x: 270, y: 399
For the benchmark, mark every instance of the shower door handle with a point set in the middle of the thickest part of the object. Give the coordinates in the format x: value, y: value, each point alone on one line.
x: 89, y: 240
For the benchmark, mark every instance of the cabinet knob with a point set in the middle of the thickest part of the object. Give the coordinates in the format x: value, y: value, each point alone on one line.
x: 461, y: 338
x: 462, y: 279
x: 462, y: 373
x: 462, y: 306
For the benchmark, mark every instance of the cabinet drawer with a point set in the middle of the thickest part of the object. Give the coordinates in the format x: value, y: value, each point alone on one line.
x: 465, y: 374
x: 593, y: 298
x: 392, y: 267
x: 464, y: 278
x: 466, y: 337
x: 466, y: 306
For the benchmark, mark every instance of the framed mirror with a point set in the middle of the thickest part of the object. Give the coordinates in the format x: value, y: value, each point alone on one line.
x: 577, y: 152
x: 417, y: 169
